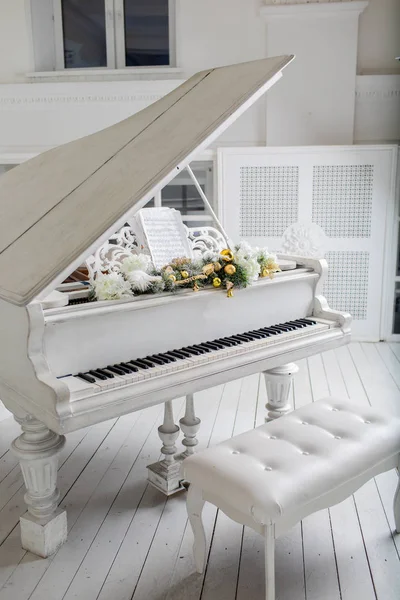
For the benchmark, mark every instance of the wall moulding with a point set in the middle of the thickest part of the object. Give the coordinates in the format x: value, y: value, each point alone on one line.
x: 378, y: 87
x: 282, y: 9
x: 43, y: 95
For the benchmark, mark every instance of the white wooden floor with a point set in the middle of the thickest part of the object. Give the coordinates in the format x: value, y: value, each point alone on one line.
x: 126, y: 541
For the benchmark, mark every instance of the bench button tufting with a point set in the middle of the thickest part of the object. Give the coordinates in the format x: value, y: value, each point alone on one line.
x: 304, y: 423
x: 268, y: 469
x: 338, y: 437
x: 335, y: 409
x: 367, y: 422
x: 273, y: 437
x: 235, y: 452
x: 305, y: 453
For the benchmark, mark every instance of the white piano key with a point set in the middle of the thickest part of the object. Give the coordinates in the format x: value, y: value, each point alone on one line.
x: 80, y: 387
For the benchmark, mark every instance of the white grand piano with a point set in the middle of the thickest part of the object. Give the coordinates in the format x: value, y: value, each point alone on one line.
x: 61, y: 209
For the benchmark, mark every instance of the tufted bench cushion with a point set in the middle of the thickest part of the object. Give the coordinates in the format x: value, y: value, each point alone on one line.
x: 277, y: 468
x: 275, y: 475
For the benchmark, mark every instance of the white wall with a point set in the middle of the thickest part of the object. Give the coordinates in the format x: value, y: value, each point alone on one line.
x: 15, y: 50
x: 379, y: 38
x: 209, y: 33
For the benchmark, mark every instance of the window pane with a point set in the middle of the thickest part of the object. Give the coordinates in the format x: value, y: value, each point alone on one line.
x: 146, y: 33
x: 182, y: 195
x: 84, y: 31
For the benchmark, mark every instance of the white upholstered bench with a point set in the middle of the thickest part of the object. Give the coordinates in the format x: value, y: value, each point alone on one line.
x: 275, y: 475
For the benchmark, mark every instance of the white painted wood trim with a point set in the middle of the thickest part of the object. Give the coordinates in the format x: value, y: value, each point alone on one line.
x: 110, y: 34
x: 312, y: 9
x: 119, y: 33
x: 58, y: 35
x: 390, y: 252
x: 105, y: 72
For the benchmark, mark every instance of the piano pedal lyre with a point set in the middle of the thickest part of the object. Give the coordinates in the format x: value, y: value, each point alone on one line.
x: 165, y: 475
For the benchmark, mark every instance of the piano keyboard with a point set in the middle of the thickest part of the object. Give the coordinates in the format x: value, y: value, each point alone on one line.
x: 139, y: 369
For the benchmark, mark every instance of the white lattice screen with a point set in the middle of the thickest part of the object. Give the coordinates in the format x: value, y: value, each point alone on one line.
x: 345, y: 190
x: 268, y: 200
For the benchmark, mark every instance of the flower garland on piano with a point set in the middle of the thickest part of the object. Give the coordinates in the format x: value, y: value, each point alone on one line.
x: 227, y: 270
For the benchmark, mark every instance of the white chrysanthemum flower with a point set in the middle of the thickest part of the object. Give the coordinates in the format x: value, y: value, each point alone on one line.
x: 136, y: 262
x: 112, y: 287
x: 210, y: 256
x: 244, y: 249
x: 250, y: 265
x: 140, y: 280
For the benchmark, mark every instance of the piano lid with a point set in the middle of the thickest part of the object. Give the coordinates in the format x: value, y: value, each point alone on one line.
x: 60, y: 206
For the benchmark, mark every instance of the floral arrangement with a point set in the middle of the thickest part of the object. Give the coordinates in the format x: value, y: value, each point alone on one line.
x: 228, y: 269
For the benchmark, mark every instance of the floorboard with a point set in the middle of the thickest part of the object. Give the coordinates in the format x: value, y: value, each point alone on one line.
x: 128, y: 542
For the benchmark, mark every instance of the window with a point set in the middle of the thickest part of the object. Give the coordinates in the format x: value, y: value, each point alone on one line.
x: 113, y: 33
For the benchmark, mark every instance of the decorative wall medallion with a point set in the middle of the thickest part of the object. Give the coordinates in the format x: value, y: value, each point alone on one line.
x: 304, y: 239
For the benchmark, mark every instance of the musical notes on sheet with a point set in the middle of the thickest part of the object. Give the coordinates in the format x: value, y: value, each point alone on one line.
x: 165, y: 235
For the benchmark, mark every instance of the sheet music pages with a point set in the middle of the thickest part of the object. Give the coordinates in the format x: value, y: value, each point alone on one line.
x: 164, y: 235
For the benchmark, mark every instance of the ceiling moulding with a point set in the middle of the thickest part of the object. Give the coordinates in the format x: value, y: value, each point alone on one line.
x: 283, y: 9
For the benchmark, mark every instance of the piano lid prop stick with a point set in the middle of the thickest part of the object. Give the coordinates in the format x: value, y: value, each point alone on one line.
x: 208, y: 205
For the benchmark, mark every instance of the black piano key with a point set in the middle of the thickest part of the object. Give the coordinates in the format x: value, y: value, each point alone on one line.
x: 134, y: 368
x: 98, y: 375
x: 309, y: 321
x: 108, y: 374
x: 126, y: 365
x: 206, y: 348
x: 184, y: 352
x: 254, y: 335
x: 126, y: 370
x: 138, y: 363
x: 267, y: 332
x: 177, y: 354
x: 166, y: 359
x: 211, y: 346
x: 231, y: 341
x: 107, y: 371
x: 193, y: 351
x: 297, y: 324
x: 270, y: 330
x: 261, y: 334
x: 115, y: 370
x: 217, y: 344
x: 202, y: 348
x: 284, y: 327
x: 86, y: 377
x: 249, y: 336
x: 170, y: 356
x: 277, y: 328
x: 240, y: 338
x: 156, y: 360
x: 144, y: 361
x: 225, y: 343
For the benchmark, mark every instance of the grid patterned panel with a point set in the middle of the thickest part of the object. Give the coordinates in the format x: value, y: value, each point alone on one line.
x: 268, y: 200
x: 346, y: 288
x: 342, y: 200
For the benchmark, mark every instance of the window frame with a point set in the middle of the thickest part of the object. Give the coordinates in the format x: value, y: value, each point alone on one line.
x: 115, y: 38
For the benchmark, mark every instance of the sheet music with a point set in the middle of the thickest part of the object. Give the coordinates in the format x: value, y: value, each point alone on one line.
x: 165, y: 235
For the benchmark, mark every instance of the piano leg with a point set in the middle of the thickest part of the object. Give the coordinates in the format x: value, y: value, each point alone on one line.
x: 279, y: 382
x: 190, y: 425
x: 44, y: 526
x: 165, y: 474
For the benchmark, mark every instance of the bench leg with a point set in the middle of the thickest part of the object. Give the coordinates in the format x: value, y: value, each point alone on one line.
x: 396, y: 504
x: 269, y: 538
x: 195, y: 505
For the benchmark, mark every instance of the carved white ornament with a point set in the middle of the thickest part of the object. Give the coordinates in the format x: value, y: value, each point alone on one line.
x: 122, y: 244
x: 304, y: 239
